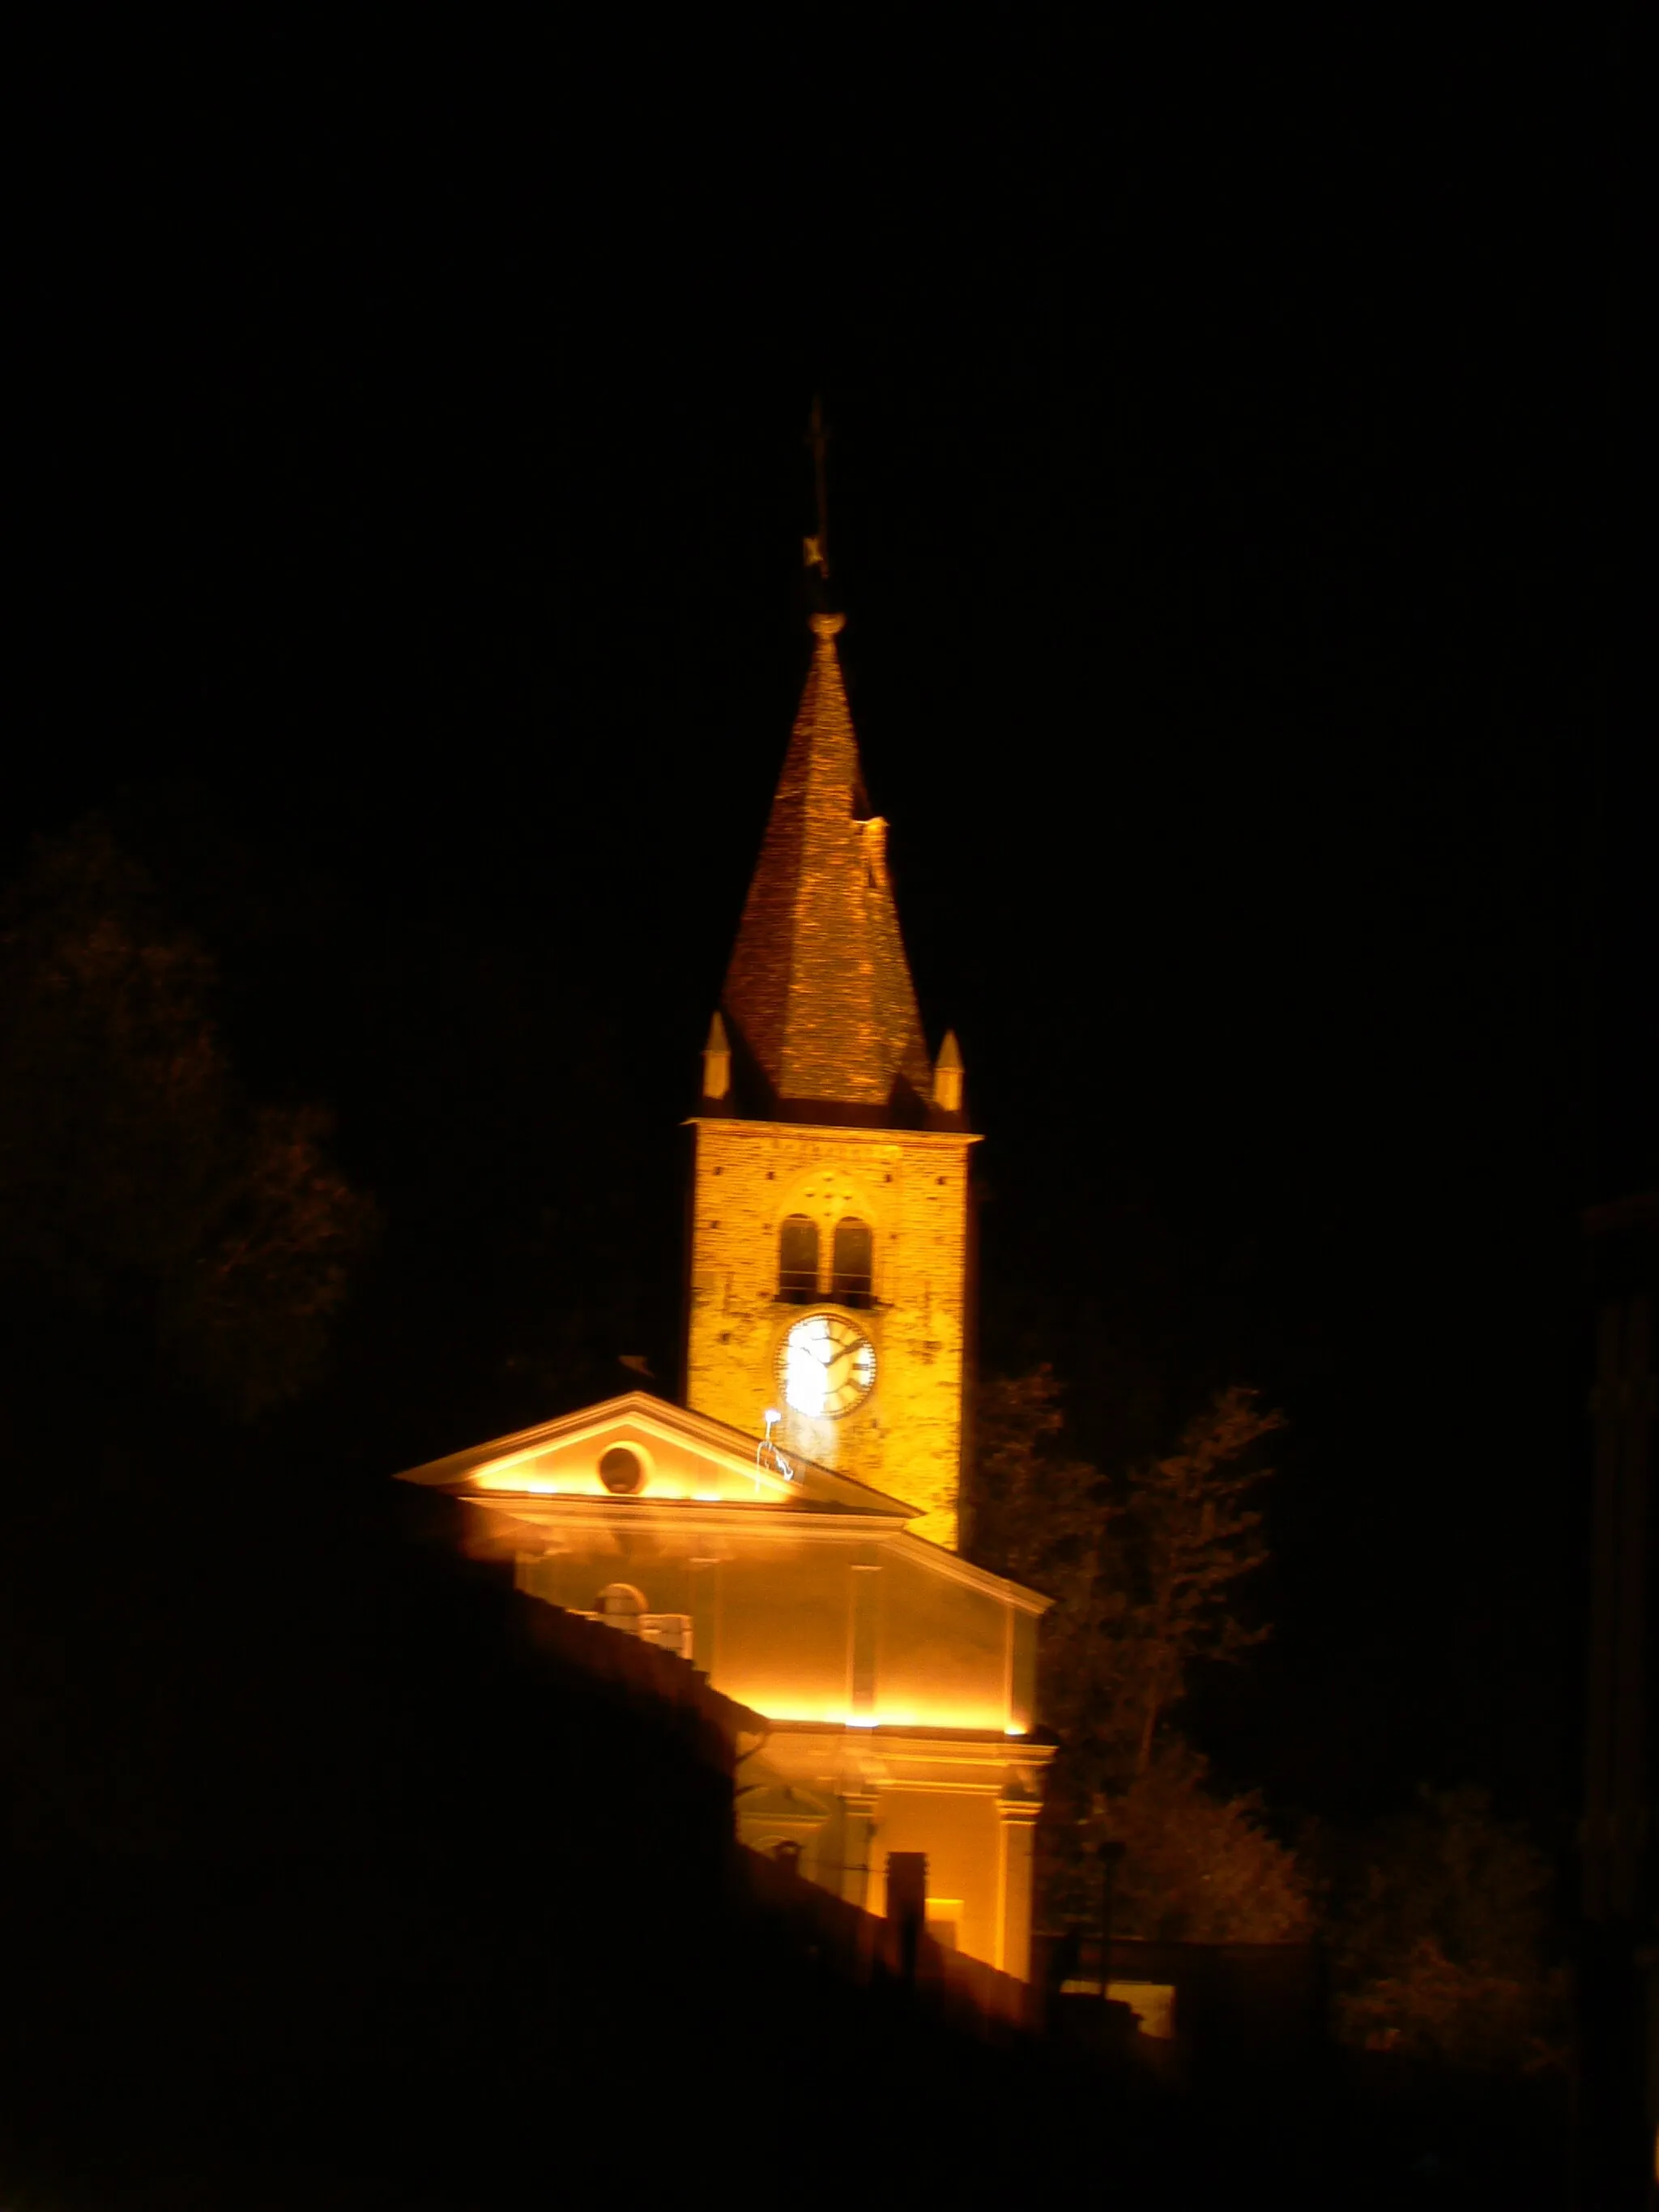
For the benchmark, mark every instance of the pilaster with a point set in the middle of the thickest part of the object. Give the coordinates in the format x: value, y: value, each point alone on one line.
x: 1016, y: 1818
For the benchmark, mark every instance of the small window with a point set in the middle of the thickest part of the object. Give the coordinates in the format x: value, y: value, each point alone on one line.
x: 620, y: 1607
x: 853, y: 1263
x: 798, y: 1261
x: 622, y: 1471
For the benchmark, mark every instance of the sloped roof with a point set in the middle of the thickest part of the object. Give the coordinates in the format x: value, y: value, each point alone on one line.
x: 818, y: 991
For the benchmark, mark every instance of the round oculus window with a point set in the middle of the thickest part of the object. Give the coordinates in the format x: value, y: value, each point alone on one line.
x: 622, y: 1471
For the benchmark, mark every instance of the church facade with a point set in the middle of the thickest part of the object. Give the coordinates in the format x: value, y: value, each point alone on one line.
x: 791, y: 1530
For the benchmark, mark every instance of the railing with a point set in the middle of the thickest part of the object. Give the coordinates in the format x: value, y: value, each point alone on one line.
x: 1247, y: 1999
x: 668, y: 1632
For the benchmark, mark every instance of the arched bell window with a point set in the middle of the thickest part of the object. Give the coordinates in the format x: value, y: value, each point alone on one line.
x: 798, y: 1261
x: 853, y: 1263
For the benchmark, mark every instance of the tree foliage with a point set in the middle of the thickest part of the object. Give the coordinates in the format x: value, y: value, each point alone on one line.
x: 1193, y: 1538
x: 137, y: 1185
x: 1439, y: 1941
x: 1198, y: 1867
x: 1435, y: 1926
x: 1039, y: 1515
x: 1144, y: 1570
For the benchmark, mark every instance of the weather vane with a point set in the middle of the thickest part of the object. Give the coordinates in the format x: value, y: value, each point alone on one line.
x: 816, y: 550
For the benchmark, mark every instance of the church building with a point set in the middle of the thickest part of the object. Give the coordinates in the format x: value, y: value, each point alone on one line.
x: 791, y: 1530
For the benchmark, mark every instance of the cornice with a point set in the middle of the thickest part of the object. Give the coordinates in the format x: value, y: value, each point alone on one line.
x: 575, y: 1511
x: 941, y: 1746
x: 783, y: 1521
x: 859, y: 1132
x: 954, y: 1568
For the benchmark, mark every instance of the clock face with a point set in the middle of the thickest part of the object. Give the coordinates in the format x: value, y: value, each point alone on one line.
x: 827, y: 1365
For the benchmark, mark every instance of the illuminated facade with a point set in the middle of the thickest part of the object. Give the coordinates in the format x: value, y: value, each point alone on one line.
x: 791, y: 1533
x: 895, y: 1679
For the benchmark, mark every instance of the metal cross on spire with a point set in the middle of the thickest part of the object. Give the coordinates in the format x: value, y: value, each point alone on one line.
x: 816, y: 550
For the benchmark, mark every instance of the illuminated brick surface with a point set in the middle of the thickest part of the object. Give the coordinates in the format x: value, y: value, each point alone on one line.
x: 911, y: 1188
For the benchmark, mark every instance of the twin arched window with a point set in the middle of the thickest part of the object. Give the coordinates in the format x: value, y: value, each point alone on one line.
x: 852, y: 1261
x: 798, y: 1261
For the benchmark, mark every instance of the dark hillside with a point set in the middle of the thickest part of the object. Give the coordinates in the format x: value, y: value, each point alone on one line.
x: 371, y: 1879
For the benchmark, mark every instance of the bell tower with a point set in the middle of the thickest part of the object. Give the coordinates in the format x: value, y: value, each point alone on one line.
x: 829, y: 1198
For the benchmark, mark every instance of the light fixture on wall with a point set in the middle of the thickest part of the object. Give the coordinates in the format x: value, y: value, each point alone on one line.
x: 767, y: 1454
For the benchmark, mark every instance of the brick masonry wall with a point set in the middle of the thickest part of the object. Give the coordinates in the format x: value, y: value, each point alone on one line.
x: 912, y: 1188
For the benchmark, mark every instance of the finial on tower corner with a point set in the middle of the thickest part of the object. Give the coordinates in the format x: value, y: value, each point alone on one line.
x: 947, y: 1075
x: 827, y: 626
x: 716, y: 1061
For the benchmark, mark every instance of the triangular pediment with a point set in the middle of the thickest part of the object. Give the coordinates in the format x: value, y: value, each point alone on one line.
x: 638, y: 1453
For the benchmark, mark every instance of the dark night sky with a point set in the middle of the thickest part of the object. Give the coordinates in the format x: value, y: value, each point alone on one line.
x: 1226, y: 430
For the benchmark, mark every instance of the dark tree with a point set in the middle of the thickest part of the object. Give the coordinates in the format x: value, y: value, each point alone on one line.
x: 143, y: 1198
x: 1143, y: 1569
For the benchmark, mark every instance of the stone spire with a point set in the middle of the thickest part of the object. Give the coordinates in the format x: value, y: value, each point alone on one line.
x: 818, y: 994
